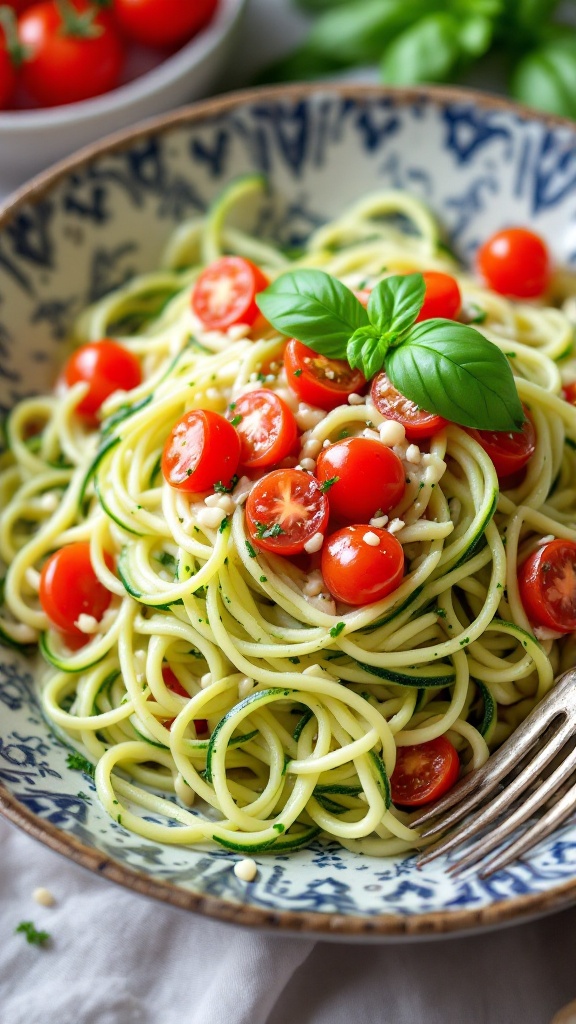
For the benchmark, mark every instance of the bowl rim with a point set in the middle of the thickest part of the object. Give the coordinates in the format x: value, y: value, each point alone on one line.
x: 382, y: 927
x: 169, y: 69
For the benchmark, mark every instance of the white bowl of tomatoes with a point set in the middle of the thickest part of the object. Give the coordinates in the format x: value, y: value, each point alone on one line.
x: 72, y: 71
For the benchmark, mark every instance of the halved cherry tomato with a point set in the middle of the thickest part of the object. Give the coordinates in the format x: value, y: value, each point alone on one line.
x: 547, y: 581
x: 355, y: 571
x: 442, y: 297
x: 417, y: 423
x: 225, y: 293
x: 367, y: 476
x: 202, y: 449
x: 69, y: 587
x: 266, y: 427
x: 569, y: 392
x: 515, y: 262
x: 173, y: 683
x: 509, y: 450
x: 284, y: 510
x: 106, y: 367
x: 424, y: 772
x: 318, y: 380
x: 163, y: 22
x: 68, y: 60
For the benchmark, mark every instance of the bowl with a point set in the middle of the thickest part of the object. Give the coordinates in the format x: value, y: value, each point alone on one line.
x: 98, y: 218
x: 30, y: 140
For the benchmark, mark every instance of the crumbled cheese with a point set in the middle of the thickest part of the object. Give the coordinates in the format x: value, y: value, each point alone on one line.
x: 545, y: 540
x: 308, y: 464
x: 314, y: 584
x: 356, y: 399
x: 326, y: 443
x: 245, y: 687
x: 237, y: 331
x: 329, y: 374
x: 246, y: 869
x: 211, y: 500
x: 87, y: 623
x: 44, y: 897
x: 206, y: 680
x: 413, y: 454
x: 211, y: 517
x: 183, y: 791
x: 49, y: 502
x: 391, y: 433
x: 379, y: 521
x: 314, y: 544
x: 308, y: 416
x: 311, y: 449
x: 274, y: 366
x: 226, y: 503
x: 434, y: 472
x: 395, y: 526
x: 372, y: 435
x: 371, y: 538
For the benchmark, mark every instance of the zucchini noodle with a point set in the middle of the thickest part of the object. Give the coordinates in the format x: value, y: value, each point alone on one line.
x: 296, y: 705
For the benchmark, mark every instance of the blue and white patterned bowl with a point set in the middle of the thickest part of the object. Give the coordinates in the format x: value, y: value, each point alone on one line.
x: 83, y: 229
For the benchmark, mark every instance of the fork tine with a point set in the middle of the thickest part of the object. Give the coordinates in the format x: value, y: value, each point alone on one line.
x: 478, y: 784
x: 520, y: 815
x: 542, y: 828
x: 520, y: 783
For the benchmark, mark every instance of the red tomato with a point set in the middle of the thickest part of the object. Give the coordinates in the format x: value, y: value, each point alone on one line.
x: 284, y: 510
x: 569, y: 392
x: 225, y: 292
x: 66, y: 62
x: 266, y: 427
x: 417, y: 423
x: 515, y: 262
x: 356, y: 572
x: 318, y: 380
x: 368, y: 477
x: 363, y: 295
x: 547, y: 581
x: 106, y: 367
x: 69, y: 588
x: 509, y: 450
x: 442, y: 297
x: 163, y: 22
x: 424, y: 772
x: 202, y: 449
x: 7, y: 71
x: 172, y: 682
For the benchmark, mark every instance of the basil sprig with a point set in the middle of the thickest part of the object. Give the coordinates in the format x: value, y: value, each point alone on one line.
x: 443, y: 366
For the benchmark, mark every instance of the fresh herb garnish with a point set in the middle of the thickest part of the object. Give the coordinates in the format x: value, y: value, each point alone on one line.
x: 80, y: 764
x: 443, y: 366
x: 33, y: 936
x: 223, y: 525
x: 236, y: 420
x: 221, y: 488
x: 327, y: 484
x: 263, y: 530
x: 337, y: 629
x: 250, y: 549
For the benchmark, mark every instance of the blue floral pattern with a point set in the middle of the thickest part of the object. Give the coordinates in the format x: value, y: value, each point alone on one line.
x: 479, y: 167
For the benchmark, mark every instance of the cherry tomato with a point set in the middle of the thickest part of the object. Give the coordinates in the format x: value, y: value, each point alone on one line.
x: 357, y: 572
x: 7, y: 72
x: 547, y: 581
x: 424, y: 772
x: 318, y: 380
x: 442, y: 297
x: 509, y: 450
x: 163, y: 22
x: 106, y: 367
x: 66, y: 62
x: 515, y: 262
x: 266, y: 427
x: 363, y: 295
x: 69, y: 588
x: 284, y: 510
x: 172, y: 682
x: 202, y: 449
x: 368, y: 477
x: 225, y: 292
x: 417, y: 423
x: 569, y: 392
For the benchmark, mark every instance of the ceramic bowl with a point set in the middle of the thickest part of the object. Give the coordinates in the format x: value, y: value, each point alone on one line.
x: 32, y: 139
x: 86, y: 226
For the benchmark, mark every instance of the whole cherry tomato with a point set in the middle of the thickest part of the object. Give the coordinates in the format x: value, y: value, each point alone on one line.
x: 201, y: 450
x: 361, y: 477
x: 357, y: 571
x: 163, y: 22
x: 424, y: 772
x: 73, y: 53
x: 69, y: 587
x: 547, y: 581
x: 510, y: 450
x: 266, y: 427
x: 284, y: 510
x: 318, y: 380
x: 515, y: 262
x: 106, y: 367
x: 225, y: 292
x: 417, y: 423
x: 442, y: 297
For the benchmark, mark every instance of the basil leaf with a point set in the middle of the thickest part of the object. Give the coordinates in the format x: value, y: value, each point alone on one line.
x: 546, y: 78
x: 315, y: 308
x: 395, y: 302
x: 452, y: 370
x: 366, y: 351
x: 428, y: 51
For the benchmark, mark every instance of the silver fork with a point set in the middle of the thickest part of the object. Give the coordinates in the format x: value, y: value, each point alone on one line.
x: 547, y: 728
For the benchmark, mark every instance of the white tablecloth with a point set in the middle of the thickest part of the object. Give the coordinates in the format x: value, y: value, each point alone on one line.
x: 117, y: 958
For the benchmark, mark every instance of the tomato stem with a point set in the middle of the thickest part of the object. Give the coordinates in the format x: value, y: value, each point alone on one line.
x: 79, y: 24
x: 16, y: 51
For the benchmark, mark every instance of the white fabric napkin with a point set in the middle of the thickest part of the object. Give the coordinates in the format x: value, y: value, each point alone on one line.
x: 118, y: 958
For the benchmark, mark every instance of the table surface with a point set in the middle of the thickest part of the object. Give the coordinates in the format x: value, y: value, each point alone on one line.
x: 116, y: 958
